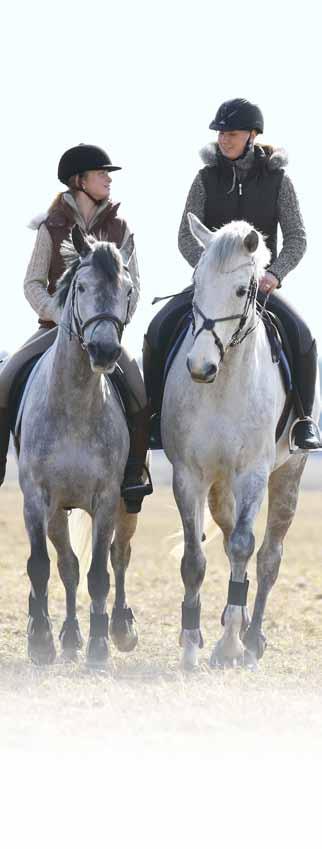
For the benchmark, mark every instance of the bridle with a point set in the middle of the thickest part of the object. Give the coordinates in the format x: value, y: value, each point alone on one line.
x: 96, y: 319
x: 210, y: 323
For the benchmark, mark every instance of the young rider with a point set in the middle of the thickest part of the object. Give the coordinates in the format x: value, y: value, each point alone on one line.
x: 86, y: 171
x: 242, y: 180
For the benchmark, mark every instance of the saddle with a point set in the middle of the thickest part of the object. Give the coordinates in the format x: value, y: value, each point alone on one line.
x: 22, y: 381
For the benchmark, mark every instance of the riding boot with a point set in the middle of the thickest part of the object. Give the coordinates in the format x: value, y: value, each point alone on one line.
x: 4, y: 441
x: 305, y: 431
x: 134, y: 488
x: 152, y: 370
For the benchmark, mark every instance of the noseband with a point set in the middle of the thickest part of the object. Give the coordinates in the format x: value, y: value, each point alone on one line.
x: 210, y: 323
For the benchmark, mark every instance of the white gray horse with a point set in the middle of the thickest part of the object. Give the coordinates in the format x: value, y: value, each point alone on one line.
x: 222, y: 402
x: 74, y: 445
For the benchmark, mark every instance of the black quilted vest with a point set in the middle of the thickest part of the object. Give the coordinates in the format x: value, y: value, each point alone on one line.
x: 254, y: 200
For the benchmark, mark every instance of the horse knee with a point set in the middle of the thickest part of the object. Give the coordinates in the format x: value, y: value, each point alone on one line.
x: 38, y: 568
x: 241, y: 545
x: 193, y: 570
x: 98, y: 583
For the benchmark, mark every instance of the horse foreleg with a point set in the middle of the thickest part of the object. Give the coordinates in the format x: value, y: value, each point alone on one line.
x: 99, y: 582
x: 239, y: 546
x: 68, y: 567
x: 283, y: 495
x: 41, y: 647
x: 123, y: 630
x: 190, y: 497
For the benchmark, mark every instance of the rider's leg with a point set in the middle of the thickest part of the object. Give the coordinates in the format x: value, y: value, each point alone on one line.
x: 37, y: 344
x: 306, y: 434
x: 155, y: 347
x: 134, y: 488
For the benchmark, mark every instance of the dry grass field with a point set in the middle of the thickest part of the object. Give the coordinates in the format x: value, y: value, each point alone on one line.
x: 144, y: 754
x: 145, y: 696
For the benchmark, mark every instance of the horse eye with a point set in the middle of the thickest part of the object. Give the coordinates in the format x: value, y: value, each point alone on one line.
x: 241, y: 291
x: 81, y: 288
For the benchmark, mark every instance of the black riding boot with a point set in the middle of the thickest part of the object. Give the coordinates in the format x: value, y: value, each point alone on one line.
x: 305, y: 432
x: 134, y: 488
x: 152, y: 370
x: 4, y: 441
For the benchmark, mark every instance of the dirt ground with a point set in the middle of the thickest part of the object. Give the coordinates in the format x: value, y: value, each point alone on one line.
x: 145, y: 696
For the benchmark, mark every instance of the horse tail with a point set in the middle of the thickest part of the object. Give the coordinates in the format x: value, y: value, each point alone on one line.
x: 176, y: 540
x: 80, y: 532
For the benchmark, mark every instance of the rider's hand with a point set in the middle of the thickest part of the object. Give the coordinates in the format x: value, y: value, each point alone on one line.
x: 268, y: 283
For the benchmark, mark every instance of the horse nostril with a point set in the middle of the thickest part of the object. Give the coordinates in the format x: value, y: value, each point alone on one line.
x: 102, y: 354
x: 211, y: 370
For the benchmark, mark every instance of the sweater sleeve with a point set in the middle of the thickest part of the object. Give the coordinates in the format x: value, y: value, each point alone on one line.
x: 36, y: 279
x: 293, y: 230
x: 133, y: 274
x: 196, y: 203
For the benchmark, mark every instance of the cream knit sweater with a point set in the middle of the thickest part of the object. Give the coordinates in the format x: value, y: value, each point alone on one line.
x: 36, y: 280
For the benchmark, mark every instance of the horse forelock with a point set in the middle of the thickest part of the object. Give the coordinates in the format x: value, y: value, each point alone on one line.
x: 103, y: 257
x: 227, y: 247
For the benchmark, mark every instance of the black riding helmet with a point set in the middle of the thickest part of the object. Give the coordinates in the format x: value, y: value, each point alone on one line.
x: 238, y: 114
x: 83, y: 157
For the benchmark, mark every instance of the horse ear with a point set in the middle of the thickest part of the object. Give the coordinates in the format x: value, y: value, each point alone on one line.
x: 127, y: 250
x: 251, y: 241
x: 80, y: 243
x: 199, y: 231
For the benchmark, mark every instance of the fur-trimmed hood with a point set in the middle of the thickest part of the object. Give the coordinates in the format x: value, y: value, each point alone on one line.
x: 276, y: 158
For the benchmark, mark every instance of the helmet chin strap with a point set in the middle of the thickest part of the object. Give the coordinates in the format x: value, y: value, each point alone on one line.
x: 88, y: 195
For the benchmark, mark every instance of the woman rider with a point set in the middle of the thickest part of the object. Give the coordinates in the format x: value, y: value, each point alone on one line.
x: 242, y: 180
x: 86, y: 171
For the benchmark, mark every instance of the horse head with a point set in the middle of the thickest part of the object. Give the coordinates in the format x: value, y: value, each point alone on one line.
x: 224, y: 304
x: 94, y: 295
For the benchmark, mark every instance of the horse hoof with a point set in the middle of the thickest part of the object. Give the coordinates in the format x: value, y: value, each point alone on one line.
x: 71, y: 639
x: 255, y: 642
x: 191, y: 641
x: 122, y: 629
x: 220, y: 660
x: 41, y: 647
x: 97, y: 653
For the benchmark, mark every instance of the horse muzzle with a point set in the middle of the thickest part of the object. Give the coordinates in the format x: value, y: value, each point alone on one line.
x: 206, y: 374
x: 103, y: 358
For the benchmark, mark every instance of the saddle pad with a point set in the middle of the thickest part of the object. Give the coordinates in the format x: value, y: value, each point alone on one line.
x: 17, y: 412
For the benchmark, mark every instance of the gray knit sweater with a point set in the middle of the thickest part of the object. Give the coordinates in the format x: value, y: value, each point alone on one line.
x: 289, y: 214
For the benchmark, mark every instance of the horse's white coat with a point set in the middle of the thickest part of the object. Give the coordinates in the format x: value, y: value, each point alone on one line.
x: 220, y: 438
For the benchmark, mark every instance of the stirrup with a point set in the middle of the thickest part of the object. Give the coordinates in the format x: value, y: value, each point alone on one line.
x: 295, y: 449
x: 133, y: 493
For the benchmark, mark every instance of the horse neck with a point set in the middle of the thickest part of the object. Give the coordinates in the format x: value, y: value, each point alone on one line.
x: 71, y: 376
x: 247, y: 357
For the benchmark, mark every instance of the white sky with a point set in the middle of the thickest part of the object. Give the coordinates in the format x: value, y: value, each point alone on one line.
x: 143, y: 80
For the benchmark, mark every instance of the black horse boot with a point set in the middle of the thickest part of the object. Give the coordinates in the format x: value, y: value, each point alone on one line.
x: 4, y: 441
x: 134, y: 488
x: 305, y: 433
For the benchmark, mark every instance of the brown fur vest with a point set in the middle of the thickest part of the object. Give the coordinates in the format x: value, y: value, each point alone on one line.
x: 59, y: 222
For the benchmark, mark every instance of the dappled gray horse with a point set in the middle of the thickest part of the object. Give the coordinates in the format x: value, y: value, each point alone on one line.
x: 74, y: 445
x: 223, y: 399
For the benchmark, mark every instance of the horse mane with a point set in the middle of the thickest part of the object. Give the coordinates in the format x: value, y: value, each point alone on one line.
x: 103, y: 256
x: 228, y: 243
